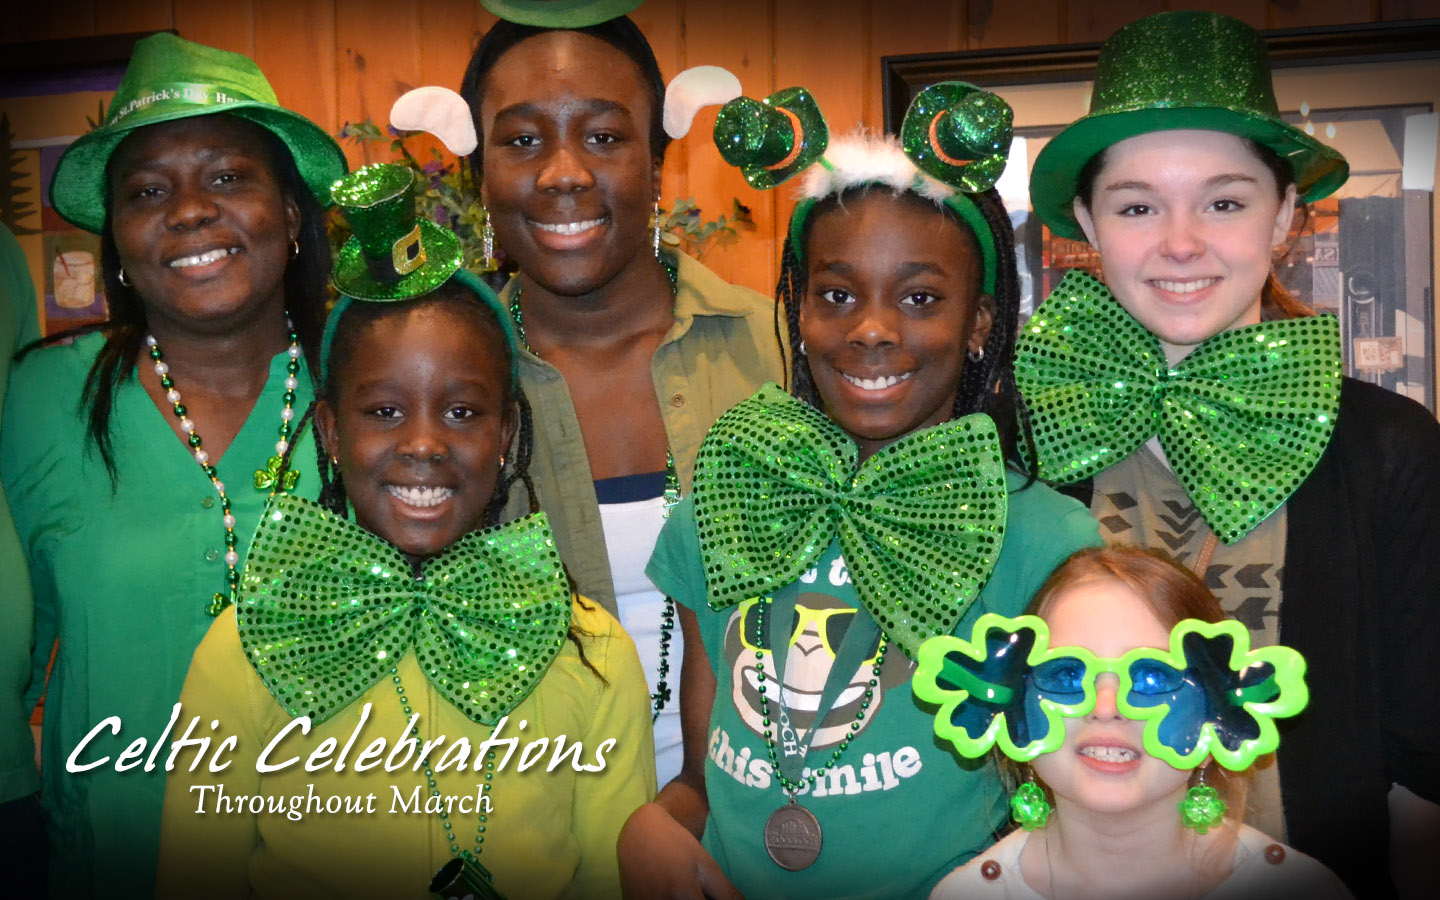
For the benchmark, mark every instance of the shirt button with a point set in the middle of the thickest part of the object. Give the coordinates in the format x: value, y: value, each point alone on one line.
x: 207, y: 501
x: 212, y: 554
x: 677, y: 400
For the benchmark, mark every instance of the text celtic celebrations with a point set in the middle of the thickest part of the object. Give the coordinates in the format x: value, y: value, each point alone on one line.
x: 441, y: 753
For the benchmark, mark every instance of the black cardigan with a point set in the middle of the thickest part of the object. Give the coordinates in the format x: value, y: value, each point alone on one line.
x: 1361, y: 601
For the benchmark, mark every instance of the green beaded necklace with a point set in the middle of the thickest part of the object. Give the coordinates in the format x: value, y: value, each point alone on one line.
x: 472, y: 858
x: 220, y: 600
x: 794, y: 787
x: 662, y: 692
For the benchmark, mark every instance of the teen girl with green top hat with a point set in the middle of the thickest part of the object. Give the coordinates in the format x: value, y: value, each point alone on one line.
x: 422, y: 619
x: 1197, y: 409
x: 630, y: 349
x: 835, y: 526
x: 148, y: 442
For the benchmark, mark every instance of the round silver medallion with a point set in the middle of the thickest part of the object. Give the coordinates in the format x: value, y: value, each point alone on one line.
x: 792, y: 837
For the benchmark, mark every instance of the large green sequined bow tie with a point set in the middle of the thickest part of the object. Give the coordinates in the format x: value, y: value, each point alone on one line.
x: 327, y: 609
x: 1242, y: 420
x: 920, y: 523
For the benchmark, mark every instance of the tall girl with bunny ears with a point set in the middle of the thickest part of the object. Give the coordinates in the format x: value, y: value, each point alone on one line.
x: 836, y: 525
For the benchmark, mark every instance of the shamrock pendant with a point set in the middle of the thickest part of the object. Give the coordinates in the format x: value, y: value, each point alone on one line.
x: 1202, y: 808
x: 1029, y: 806
x: 217, y: 604
x: 265, y: 478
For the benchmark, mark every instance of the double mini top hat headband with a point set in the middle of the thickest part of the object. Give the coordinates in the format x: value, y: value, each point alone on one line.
x: 954, y: 143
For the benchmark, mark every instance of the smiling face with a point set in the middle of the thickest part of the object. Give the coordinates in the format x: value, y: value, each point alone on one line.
x: 570, y: 179
x: 202, y: 227
x: 1185, y: 222
x: 1102, y: 766
x: 892, y: 305
x: 418, y: 419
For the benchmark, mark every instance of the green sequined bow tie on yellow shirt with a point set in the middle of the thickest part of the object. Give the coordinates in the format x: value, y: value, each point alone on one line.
x: 327, y: 609
x: 1243, y: 419
x: 920, y: 523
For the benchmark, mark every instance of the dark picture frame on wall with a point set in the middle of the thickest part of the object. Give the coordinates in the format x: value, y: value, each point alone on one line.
x: 51, y: 92
x: 1366, y: 254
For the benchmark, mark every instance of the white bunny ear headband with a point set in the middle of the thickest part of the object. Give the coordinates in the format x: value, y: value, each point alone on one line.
x: 953, y: 143
x: 441, y: 112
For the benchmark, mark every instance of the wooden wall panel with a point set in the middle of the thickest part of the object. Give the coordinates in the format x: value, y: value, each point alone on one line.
x: 228, y: 25
x: 127, y: 15
x: 1302, y: 13
x: 377, y: 55
x: 918, y: 26
x: 996, y: 23
x: 300, y: 62
x: 447, y: 31
x: 43, y: 22
x: 1095, y: 21
x: 1409, y: 9
x: 736, y: 34
x: 817, y: 47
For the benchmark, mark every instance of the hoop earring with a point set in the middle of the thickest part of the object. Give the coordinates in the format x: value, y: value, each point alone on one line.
x: 121, y: 277
x: 802, y: 346
x: 655, y: 229
x: 502, y: 462
x: 295, y: 248
x: 975, y: 356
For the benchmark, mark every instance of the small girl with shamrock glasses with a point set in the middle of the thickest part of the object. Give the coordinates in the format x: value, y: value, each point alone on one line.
x: 836, y: 525
x: 1134, y: 706
x: 465, y: 713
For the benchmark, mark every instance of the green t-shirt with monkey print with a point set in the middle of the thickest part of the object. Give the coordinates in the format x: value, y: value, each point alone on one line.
x: 898, y: 810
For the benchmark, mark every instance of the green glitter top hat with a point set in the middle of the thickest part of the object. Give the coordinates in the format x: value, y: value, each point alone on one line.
x: 773, y: 139
x: 393, y: 254
x: 170, y: 78
x: 1173, y: 70
x: 559, y: 13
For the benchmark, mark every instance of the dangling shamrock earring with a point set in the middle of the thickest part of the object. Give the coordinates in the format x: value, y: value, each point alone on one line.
x: 655, y: 229
x: 1202, y: 808
x: 1029, y: 806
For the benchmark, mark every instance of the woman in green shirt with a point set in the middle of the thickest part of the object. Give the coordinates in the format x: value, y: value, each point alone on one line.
x: 214, y: 257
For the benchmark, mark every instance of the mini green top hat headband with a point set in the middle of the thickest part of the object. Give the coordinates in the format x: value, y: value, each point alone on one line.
x: 953, y: 143
x: 396, y: 255
x: 1208, y: 695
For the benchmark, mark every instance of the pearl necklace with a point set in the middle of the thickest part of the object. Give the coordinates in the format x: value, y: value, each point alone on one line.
x: 220, y: 600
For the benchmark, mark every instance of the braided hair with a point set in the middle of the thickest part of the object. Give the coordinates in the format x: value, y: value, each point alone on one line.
x: 987, y: 385
x: 459, y: 299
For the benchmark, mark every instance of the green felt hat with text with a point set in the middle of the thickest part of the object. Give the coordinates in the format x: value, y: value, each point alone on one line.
x: 1178, y: 70
x: 170, y: 78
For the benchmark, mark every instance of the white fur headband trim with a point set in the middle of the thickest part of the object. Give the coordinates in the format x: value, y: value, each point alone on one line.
x: 863, y: 157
